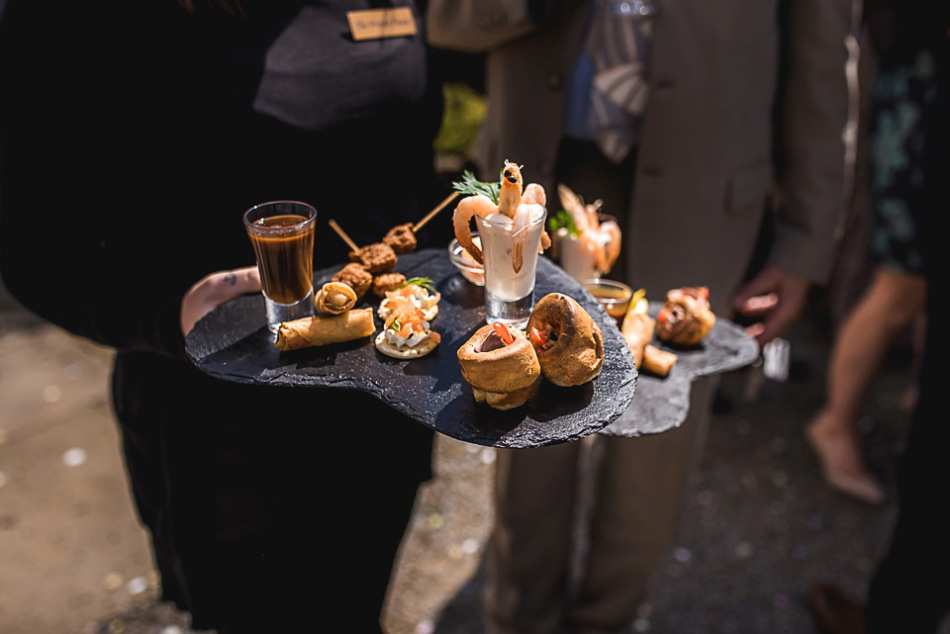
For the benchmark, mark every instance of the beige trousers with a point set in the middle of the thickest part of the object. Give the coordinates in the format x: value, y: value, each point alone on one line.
x: 629, y: 513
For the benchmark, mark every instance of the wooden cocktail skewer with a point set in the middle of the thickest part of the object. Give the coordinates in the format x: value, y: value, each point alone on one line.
x: 436, y: 210
x: 415, y: 227
x: 376, y: 258
x: 343, y: 235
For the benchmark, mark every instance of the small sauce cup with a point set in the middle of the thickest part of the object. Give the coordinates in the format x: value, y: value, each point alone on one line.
x: 470, y: 269
x: 613, y: 296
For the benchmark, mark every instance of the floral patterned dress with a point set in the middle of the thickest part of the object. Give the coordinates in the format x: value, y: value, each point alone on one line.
x: 904, y: 106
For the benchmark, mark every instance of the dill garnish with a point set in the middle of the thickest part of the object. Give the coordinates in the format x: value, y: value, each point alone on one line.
x: 471, y: 186
x: 424, y: 282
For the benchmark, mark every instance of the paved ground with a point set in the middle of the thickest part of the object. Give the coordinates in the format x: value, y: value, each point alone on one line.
x: 759, y: 525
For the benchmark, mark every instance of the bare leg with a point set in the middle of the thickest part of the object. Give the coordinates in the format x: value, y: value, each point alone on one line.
x: 890, y: 305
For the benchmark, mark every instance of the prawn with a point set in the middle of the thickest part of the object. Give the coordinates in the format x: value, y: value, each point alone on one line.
x: 590, y: 244
x: 534, y: 194
x: 406, y: 319
x: 600, y: 238
x: 521, y: 203
x: 512, y: 188
x: 475, y: 205
x: 519, y: 228
x: 610, y: 230
x: 515, y: 201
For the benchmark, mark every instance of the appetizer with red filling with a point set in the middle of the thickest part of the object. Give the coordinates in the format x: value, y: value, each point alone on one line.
x: 406, y: 333
x: 568, y: 342
x: 686, y: 318
x: 501, y: 366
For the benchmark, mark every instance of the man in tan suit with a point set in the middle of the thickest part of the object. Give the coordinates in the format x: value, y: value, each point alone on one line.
x: 745, y: 119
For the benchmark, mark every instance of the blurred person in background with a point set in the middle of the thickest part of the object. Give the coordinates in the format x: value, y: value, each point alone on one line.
x: 706, y: 127
x: 134, y: 136
x: 876, y: 301
x: 910, y: 159
x: 892, y: 304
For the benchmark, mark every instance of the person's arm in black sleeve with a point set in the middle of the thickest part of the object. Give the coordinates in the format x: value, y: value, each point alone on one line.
x: 60, y: 187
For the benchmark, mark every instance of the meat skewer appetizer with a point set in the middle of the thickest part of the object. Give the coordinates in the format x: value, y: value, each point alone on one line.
x: 356, y: 277
x: 402, y: 238
x: 377, y: 262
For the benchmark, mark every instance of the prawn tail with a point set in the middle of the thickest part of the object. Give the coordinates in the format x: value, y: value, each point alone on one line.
x: 545, y: 241
x: 512, y: 188
x: 475, y: 252
x: 477, y: 205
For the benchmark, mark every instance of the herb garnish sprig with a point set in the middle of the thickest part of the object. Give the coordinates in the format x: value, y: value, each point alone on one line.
x: 471, y: 186
x: 424, y: 282
x: 563, y: 220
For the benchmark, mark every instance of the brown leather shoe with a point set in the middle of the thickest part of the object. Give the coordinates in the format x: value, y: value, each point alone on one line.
x: 834, y: 611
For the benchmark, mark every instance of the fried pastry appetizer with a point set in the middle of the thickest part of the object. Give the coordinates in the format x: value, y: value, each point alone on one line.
x: 686, y: 318
x: 501, y: 366
x: 568, y: 342
x: 321, y: 330
x: 334, y: 298
x: 637, y: 330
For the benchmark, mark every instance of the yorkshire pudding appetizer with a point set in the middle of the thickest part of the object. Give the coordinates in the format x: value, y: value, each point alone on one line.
x: 569, y: 344
x: 686, y: 318
x: 501, y: 366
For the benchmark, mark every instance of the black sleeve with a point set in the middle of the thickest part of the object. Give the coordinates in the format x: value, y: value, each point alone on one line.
x: 67, y: 198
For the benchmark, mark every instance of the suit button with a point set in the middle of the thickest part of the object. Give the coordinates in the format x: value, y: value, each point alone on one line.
x: 555, y: 81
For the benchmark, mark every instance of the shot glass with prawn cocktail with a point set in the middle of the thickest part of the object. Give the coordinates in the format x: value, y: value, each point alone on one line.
x: 510, y: 251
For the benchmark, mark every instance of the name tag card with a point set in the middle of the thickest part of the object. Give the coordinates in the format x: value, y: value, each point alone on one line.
x: 374, y: 24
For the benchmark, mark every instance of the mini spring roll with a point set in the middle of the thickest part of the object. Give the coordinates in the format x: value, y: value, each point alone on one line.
x: 657, y: 361
x: 321, y: 330
x: 638, y: 329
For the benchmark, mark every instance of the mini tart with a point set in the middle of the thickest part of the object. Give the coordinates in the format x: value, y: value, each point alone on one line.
x: 575, y: 353
x: 421, y: 349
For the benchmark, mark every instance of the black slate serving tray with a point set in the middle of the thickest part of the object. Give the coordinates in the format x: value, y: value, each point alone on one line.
x: 662, y: 403
x: 233, y: 344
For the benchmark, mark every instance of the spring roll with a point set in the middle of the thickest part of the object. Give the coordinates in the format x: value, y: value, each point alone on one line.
x: 656, y: 361
x: 321, y: 330
x: 638, y: 329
